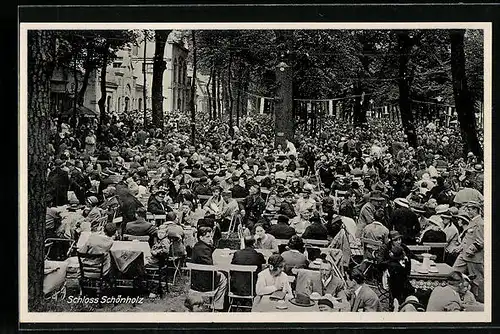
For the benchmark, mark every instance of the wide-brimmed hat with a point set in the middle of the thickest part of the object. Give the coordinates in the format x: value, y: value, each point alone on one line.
x: 394, y: 235
x: 464, y: 218
x: 376, y: 195
x: 417, y: 208
x: 302, y: 300
x: 436, y: 220
x: 402, y: 202
x: 442, y: 209
x: 472, y: 204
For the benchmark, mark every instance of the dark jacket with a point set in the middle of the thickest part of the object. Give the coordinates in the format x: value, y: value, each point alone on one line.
x: 406, y: 223
x: 281, y: 231
x: 347, y: 209
x: 435, y: 236
x: 59, y: 186
x: 240, y: 282
x: 156, y: 207
x: 254, y: 207
x: 316, y: 231
x: 399, y: 283
x: 239, y: 192
x: 287, y: 210
x: 202, y: 254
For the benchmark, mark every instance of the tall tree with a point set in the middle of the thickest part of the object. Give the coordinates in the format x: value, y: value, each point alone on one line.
x: 41, y: 63
x: 463, y: 99
x: 192, y: 103
x: 159, y: 66
x: 102, y: 100
x: 406, y: 43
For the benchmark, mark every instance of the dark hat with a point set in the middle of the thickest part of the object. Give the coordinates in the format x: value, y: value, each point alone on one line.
x: 302, y: 300
x: 235, y: 177
x: 325, y: 301
x: 281, y: 188
x: 376, y: 195
x: 394, y: 235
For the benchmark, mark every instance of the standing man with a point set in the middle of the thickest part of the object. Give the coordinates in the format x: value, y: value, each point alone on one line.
x: 471, y: 258
x: 367, y: 213
x: 405, y: 221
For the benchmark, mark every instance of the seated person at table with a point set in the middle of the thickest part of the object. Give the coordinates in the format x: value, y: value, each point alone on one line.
x: 276, y: 199
x: 394, y: 239
x: 316, y: 230
x: 209, y: 221
x: 215, y: 204
x: 331, y: 284
x: 300, y: 223
x: 264, y: 240
x: 175, y: 233
x: 240, y: 282
x: 294, y: 257
x: 466, y: 296
x: 362, y: 297
x: 92, y: 212
x: 161, y: 248
x: 231, y: 208
x: 447, y: 298
x: 305, y: 202
x: 434, y: 233
x: 141, y: 227
x: 98, y: 243
x: 287, y: 207
x: 202, y: 281
x: 156, y: 203
x: 273, y: 279
x: 187, y: 217
x: 411, y: 304
x: 282, y: 230
x: 252, y: 207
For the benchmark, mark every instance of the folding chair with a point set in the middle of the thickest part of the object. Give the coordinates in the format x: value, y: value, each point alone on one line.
x: 233, y: 225
x: 437, y: 248
x: 141, y: 238
x: 58, y: 249
x: 203, y: 268
x: 176, y: 259
x: 99, y: 224
x: 250, y: 270
x: 313, y: 242
x: 204, y: 199
x: 92, y: 274
x: 370, y: 261
x: 157, y: 275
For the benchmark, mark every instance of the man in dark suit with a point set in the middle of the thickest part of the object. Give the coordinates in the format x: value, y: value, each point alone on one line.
x: 240, y: 282
x: 316, y: 230
x: 156, y: 204
x: 282, y: 230
x: 405, y: 221
x: 286, y: 207
x: 237, y: 190
x: 58, y: 184
x: 252, y: 207
x: 203, y: 281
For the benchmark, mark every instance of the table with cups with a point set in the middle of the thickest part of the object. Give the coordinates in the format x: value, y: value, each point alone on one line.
x: 427, y: 277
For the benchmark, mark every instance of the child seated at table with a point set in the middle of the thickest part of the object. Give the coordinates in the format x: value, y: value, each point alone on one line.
x: 160, y: 249
x: 273, y: 279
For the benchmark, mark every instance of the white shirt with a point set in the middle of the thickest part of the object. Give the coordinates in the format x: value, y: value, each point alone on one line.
x: 325, y: 283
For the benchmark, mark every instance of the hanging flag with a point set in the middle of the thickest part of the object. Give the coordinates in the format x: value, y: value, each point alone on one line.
x: 262, y: 101
x: 330, y: 108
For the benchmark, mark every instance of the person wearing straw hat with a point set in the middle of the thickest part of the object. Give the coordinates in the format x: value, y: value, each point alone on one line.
x: 471, y: 257
x: 405, y: 221
x: 434, y: 231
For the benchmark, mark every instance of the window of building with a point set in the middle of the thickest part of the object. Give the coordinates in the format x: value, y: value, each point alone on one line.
x: 127, y: 100
x: 139, y: 105
x: 175, y: 70
x: 118, y: 109
x: 108, y: 104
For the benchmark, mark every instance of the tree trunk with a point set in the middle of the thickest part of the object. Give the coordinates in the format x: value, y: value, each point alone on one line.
x: 159, y: 66
x: 229, y: 96
x: 359, y: 114
x: 214, y: 92
x: 246, y: 83
x: 210, y: 79
x: 463, y: 99
x: 144, y: 75
x: 88, y: 69
x: 102, y: 101
x: 405, y: 45
x: 41, y: 50
x: 219, y: 106
x: 193, y: 91
x: 75, y: 95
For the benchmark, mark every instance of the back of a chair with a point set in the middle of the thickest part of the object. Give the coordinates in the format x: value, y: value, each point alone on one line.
x: 58, y: 249
x: 201, y: 268
x: 419, y: 248
x: 141, y: 238
x: 91, y: 264
x: 238, y: 274
x: 437, y: 248
x: 313, y: 242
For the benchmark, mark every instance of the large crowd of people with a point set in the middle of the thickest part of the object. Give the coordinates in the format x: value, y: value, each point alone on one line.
x: 350, y: 183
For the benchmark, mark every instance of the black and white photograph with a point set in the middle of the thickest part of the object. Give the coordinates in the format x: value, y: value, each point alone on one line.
x: 246, y: 171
